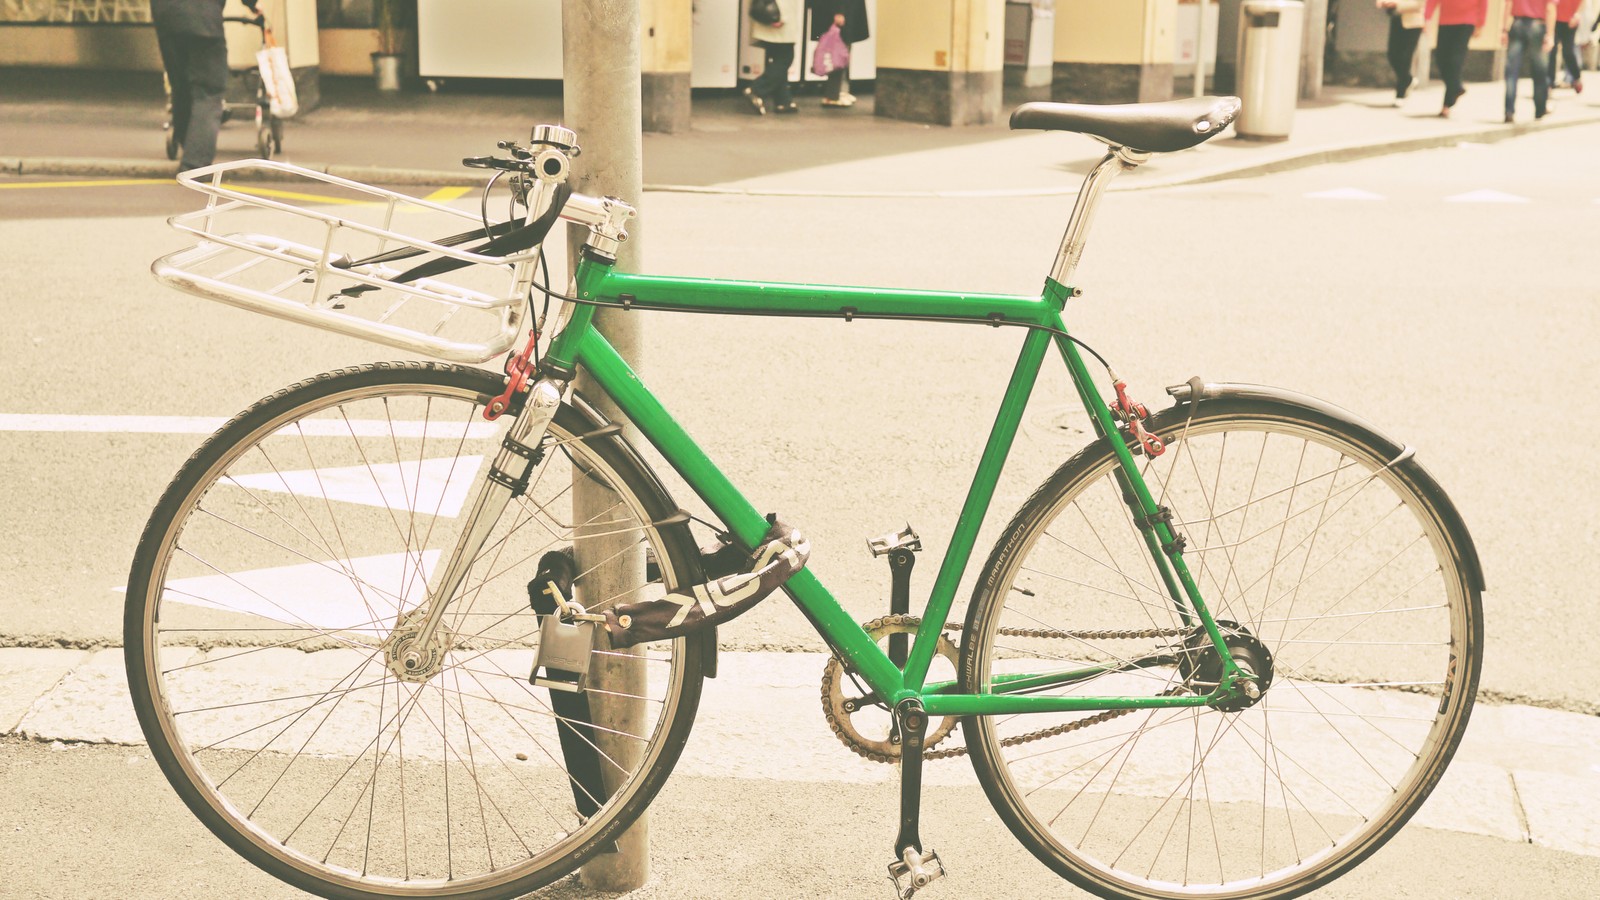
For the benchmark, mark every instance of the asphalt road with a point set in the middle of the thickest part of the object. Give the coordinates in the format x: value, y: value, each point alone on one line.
x: 757, y: 838
x: 1464, y: 326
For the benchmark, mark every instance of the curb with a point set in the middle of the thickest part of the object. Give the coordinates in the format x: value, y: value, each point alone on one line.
x: 1355, y: 150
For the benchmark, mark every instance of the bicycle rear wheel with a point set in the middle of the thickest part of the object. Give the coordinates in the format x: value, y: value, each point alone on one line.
x: 270, y: 579
x: 1334, y: 560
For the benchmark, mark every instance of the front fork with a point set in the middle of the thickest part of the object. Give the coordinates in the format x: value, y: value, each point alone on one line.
x: 1155, y: 523
x: 507, y: 477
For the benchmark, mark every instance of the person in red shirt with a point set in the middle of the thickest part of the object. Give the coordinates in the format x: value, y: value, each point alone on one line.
x: 1566, y: 30
x: 1459, y: 22
x: 1529, y: 31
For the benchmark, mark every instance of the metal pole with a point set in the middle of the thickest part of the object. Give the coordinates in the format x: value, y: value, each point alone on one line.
x: 1199, y: 51
x: 601, y: 102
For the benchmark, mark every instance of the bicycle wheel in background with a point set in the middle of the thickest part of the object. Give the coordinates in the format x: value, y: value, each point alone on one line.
x: 285, y: 554
x: 1343, y: 573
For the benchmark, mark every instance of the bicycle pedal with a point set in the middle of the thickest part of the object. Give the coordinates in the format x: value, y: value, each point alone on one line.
x: 917, y: 870
x: 894, y: 540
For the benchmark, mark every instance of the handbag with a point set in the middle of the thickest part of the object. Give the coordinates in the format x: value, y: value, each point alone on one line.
x: 832, y: 53
x: 276, y: 78
x: 766, y: 12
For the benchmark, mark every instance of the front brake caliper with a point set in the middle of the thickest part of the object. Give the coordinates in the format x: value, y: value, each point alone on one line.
x: 1132, y: 415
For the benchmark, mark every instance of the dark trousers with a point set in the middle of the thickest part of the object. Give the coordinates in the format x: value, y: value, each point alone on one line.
x: 1402, y: 50
x: 1565, y: 35
x: 197, y: 72
x: 772, y: 84
x: 1527, y: 40
x: 1451, y: 54
x: 838, y: 84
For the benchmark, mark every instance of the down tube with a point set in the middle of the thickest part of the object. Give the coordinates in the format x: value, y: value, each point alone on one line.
x: 976, y: 506
x: 600, y: 359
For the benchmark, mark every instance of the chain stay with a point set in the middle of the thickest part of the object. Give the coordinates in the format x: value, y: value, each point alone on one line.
x: 1053, y: 731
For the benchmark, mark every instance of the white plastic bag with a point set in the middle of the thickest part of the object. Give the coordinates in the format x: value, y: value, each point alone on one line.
x: 276, y: 79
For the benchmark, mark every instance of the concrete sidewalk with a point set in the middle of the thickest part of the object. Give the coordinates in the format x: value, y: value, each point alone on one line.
x: 1522, y: 774
x: 60, y: 123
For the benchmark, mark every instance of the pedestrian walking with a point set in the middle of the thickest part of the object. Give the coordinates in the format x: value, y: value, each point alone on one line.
x: 1405, y: 29
x: 1566, y: 45
x: 189, y: 35
x: 1459, y: 22
x: 850, y: 18
x: 1528, y: 32
x: 774, y: 27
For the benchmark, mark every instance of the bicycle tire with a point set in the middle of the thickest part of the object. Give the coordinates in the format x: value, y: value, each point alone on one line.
x: 1267, y: 805
x: 204, y: 631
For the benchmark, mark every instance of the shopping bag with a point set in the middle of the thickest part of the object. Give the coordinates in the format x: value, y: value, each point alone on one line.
x: 832, y: 52
x: 276, y: 78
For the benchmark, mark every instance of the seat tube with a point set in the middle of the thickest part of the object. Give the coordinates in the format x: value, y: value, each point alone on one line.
x: 1094, y: 184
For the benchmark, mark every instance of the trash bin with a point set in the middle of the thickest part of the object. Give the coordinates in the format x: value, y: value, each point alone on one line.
x: 1269, y: 67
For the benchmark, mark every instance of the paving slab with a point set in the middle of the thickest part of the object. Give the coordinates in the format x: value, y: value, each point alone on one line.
x: 91, y: 704
x: 1561, y: 810
x: 26, y: 674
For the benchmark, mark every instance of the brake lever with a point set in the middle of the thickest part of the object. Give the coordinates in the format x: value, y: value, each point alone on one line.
x: 495, y: 162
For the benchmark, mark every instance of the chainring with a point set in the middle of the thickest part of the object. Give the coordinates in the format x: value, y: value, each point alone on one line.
x: 843, y: 721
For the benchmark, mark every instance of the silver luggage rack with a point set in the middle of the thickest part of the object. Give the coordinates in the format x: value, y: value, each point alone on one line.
x: 286, y: 251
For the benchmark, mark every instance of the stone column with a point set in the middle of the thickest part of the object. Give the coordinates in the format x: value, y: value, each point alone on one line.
x: 1114, y: 51
x: 665, y: 59
x: 1226, y: 79
x: 940, y: 61
x: 1314, y: 40
x: 1486, y: 59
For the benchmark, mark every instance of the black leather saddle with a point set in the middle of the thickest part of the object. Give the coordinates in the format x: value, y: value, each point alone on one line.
x: 1150, y: 127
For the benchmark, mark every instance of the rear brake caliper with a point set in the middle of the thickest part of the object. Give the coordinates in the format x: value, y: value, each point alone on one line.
x: 1132, y: 415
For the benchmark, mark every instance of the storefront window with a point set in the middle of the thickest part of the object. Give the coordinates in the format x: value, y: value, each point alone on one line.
x: 71, y: 11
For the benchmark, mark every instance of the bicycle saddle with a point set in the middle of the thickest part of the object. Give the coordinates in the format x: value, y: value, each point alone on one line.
x: 1151, y: 127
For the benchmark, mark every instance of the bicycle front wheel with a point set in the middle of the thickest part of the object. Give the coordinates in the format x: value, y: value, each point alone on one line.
x: 1330, y: 560
x: 266, y: 600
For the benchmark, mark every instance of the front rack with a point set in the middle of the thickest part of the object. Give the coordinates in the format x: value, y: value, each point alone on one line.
x: 285, y: 252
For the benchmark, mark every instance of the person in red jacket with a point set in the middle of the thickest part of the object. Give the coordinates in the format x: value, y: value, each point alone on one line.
x: 1529, y: 31
x: 1566, y: 30
x: 1459, y: 22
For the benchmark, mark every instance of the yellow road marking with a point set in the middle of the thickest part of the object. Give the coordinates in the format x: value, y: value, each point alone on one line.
x: 295, y: 195
x: 446, y: 194
x: 110, y: 182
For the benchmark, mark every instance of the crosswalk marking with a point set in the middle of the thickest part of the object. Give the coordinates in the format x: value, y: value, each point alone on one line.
x: 1487, y: 196
x: 1344, y: 194
x: 48, y: 422
x: 431, y: 486
x: 340, y: 602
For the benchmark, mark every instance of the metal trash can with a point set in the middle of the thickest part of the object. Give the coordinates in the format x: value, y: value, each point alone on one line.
x: 1269, y: 67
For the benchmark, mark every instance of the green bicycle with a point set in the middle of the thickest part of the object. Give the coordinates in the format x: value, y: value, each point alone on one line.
x: 1224, y: 651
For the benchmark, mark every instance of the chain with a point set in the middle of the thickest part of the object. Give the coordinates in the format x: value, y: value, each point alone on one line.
x: 1087, y: 722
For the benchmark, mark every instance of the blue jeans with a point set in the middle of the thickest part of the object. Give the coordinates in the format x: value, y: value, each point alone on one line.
x: 1527, y: 39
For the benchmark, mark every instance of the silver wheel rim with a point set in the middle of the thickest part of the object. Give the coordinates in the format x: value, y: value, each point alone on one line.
x: 1124, y: 755
x: 563, y: 833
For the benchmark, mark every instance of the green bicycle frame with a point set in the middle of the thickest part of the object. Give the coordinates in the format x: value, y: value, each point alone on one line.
x: 581, y: 344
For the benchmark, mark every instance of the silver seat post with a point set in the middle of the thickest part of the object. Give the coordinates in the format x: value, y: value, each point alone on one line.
x: 1094, y: 184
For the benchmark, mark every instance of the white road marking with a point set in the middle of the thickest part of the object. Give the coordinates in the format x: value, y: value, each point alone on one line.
x: 1344, y: 194
x: 208, y: 424
x: 1487, y: 196
x: 284, y: 593
x: 431, y: 486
